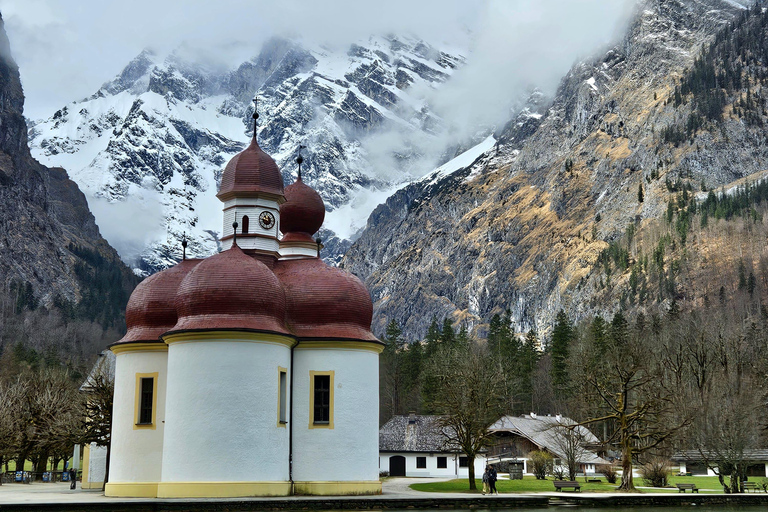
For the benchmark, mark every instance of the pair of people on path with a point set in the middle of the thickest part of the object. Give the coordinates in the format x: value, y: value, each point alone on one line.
x: 489, y: 480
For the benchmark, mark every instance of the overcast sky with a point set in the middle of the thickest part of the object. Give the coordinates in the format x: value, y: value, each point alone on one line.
x: 67, y: 48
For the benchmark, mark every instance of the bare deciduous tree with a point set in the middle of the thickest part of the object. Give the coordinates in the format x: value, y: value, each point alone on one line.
x: 469, y: 396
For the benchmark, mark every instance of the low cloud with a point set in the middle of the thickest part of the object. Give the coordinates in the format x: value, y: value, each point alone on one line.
x: 130, y: 227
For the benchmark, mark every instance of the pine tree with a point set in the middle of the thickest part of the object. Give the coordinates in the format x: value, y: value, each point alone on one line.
x: 527, y: 362
x: 463, y: 337
x: 751, y: 283
x: 640, y: 197
x: 562, y: 335
x: 448, y: 335
x: 394, y: 334
x: 619, y: 330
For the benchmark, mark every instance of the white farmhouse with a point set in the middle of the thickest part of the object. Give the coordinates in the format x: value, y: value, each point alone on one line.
x: 252, y: 372
x: 515, y: 437
x: 418, y: 446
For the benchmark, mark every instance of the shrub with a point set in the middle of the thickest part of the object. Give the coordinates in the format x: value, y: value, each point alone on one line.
x: 541, y: 464
x: 656, y: 472
x: 610, y: 472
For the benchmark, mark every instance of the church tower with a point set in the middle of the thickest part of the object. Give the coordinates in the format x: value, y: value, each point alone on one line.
x: 252, y: 192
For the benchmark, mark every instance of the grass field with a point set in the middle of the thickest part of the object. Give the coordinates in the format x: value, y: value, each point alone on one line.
x: 28, y: 466
x: 708, y: 484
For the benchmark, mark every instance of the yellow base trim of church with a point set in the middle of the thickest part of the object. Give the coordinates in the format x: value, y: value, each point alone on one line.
x: 337, y: 488
x: 131, y: 489
x: 92, y: 485
x: 222, y: 489
x: 139, y: 347
x: 371, y: 346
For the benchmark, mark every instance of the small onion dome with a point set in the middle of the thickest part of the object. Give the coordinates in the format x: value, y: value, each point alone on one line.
x: 231, y: 291
x: 151, y: 310
x: 325, y: 302
x: 303, y: 210
x: 250, y: 172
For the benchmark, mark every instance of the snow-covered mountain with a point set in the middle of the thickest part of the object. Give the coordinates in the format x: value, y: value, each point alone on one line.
x: 149, y: 146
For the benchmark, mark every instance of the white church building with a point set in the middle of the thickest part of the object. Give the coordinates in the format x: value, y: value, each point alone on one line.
x: 252, y: 372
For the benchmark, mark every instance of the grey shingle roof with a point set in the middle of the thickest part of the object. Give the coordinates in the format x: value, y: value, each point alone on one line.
x: 414, y: 434
x: 756, y: 455
x: 542, y: 431
x: 105, y: 363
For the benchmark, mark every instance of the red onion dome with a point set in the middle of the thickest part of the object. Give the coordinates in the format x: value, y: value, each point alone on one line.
x: 231, y: 291
x: 325, y: 302
x: 151, y: 310
x: 303, y: 210
x: 250, y: 172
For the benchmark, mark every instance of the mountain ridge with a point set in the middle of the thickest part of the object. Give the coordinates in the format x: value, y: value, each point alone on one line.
x: 525, y: 233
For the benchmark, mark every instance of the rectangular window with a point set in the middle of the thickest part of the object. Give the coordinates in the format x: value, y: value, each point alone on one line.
x: 463, y: 462
x: 421, y: 463
x: 442, y: 462
x: 321, y: 399
x: 145, y: 409
x: 146, y: 400
x: 282, y: 397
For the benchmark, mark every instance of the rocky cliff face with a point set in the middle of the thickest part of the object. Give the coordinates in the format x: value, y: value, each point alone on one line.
x: 43, y: 214
x: 522, y: 227
x: 169, y: 125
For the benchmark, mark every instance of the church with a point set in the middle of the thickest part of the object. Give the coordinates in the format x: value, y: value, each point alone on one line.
x: 252, y: 372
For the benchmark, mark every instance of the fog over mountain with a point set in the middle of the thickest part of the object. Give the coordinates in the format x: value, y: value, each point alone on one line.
x: 503, y: 50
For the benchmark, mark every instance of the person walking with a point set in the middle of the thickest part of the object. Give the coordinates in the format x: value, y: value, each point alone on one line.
x: 72, y: 478
x: 492, y: 475
x: 486, y: 479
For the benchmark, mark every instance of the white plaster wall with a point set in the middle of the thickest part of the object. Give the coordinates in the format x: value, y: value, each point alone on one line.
x: 296, y: 252
x: 431, y: 470
x: 252, y: 211
x: 349, y: 451
x: 222, y: 423
x: 97, y: 463
x: 136, y: 454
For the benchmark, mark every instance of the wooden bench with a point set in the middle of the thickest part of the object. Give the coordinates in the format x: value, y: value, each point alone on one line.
x: 751, y: 486
x: 561, y: 485
x: 683, y: 487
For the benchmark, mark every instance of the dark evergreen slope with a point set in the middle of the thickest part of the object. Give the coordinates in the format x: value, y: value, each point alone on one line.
x: 51, y: 252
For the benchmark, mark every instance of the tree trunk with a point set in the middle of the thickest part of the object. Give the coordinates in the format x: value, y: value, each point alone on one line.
x: 471, y: 471
x: 627, y: 480
x: 106, y: 470
x: 41, y: 466
x: 726, y: 489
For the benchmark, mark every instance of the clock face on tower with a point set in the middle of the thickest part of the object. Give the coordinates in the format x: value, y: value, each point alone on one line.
x: 266, y: 220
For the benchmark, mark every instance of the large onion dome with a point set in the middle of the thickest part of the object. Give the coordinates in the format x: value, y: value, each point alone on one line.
x: 231, y: 291
x: 250, y: 172
x: 303, y: 211
x: 325, y: 302
x: 151, y: 309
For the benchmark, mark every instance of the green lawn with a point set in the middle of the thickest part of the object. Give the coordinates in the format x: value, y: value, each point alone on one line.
x: 530, y: 484
x: 28, y: 466
x: 527, y: 484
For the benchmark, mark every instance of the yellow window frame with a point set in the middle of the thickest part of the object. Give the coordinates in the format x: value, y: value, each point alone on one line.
x: 312, y: 423
x: 280, y: 398
x: 137, y: 403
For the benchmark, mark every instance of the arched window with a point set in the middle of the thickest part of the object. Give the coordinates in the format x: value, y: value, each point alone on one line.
x: 245, y: 224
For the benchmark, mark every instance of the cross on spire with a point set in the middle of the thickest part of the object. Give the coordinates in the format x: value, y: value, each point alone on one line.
x: 300, y: 159
x: 255, y: 115
x: 184, y: 247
